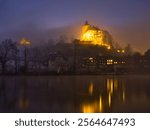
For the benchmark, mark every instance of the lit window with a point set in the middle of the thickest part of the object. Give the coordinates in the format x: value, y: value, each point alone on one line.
x: 109, y: 62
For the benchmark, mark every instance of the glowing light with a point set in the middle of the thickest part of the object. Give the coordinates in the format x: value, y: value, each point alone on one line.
x: 110, y: 85
x: 108, y: 47
x: 104, y: 102
x: 118, y: 51
x: 96, y: 106
x: 100, y: 104
x: 91, y: 87
x: 109, y: 99
x: 25, y: 41
x: 123, y: 51
x: 115, y: 62
x: 88, y: 109
x: 110, y: 62
x: 95, y: 36
x: 91, y: 59
x: 87, y: 36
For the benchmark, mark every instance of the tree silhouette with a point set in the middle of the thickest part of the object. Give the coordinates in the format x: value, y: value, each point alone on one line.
x: 147, y: 56
x: 7, y: 49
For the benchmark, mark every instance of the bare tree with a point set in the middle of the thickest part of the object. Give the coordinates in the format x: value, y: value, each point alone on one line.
x: 39, y: 56
x: 7, y: 48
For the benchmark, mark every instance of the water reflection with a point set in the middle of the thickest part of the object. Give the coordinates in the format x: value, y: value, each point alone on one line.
x: 91, y: 87
x: 8, y: 96
x: 23, y: 98
x: 86, y: 94
x: 103, y: 103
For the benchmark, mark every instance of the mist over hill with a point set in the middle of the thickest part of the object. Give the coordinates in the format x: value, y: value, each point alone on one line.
x: 41, y: 35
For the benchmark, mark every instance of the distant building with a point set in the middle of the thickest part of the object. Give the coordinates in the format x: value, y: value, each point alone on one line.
x: 94, y: 35
x: 104, y: 64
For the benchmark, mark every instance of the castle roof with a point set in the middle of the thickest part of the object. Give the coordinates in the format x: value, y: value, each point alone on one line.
x: 86, y: 23
x: 94, y: 28
x: 90, y: 27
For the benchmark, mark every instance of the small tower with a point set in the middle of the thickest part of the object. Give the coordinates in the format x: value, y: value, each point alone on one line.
x: 85, y: 27
x: 86, y: 23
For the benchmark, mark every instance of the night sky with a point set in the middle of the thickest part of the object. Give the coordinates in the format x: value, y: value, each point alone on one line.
x: 127, y: 20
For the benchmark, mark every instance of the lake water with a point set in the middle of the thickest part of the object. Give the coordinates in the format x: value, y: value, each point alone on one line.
x: 75, y: 93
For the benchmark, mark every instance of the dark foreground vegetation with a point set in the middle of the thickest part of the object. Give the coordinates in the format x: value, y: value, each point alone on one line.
x: 70, y: 58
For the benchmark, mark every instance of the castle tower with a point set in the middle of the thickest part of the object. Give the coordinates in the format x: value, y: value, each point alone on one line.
x: 94, y: 35
x: 85, y: 27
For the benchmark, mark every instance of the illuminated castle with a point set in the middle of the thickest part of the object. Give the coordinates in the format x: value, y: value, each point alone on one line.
x: 94, y: 35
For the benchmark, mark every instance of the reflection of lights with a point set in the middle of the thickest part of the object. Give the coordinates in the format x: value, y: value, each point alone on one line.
x: 110, y: 85
x: 100, y: 104
x: 105, y: 100
x: 123, y: 95
x: 88, y: 108
x: 91, y: 86
x: 115, y: 84
x: 96, y: 106
x: 109, y: 99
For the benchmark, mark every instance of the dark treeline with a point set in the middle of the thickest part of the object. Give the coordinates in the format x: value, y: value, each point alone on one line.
x: 70, y: 58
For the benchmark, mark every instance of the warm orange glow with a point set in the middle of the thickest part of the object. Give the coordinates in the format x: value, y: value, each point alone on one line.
x: 104, y: 102
x: 94, y: 35
x: 109, y: 99
x: 96, y: 106
x: 121, y: 51
x: 90, y: 108
x: 110, y: 62
x: 88, y: 36
x: 118, y: 51
x: 100, y: 104
x: 91, y: 87
x: 110, y: 86
x: 25, y: 41
x: 108, y: 47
